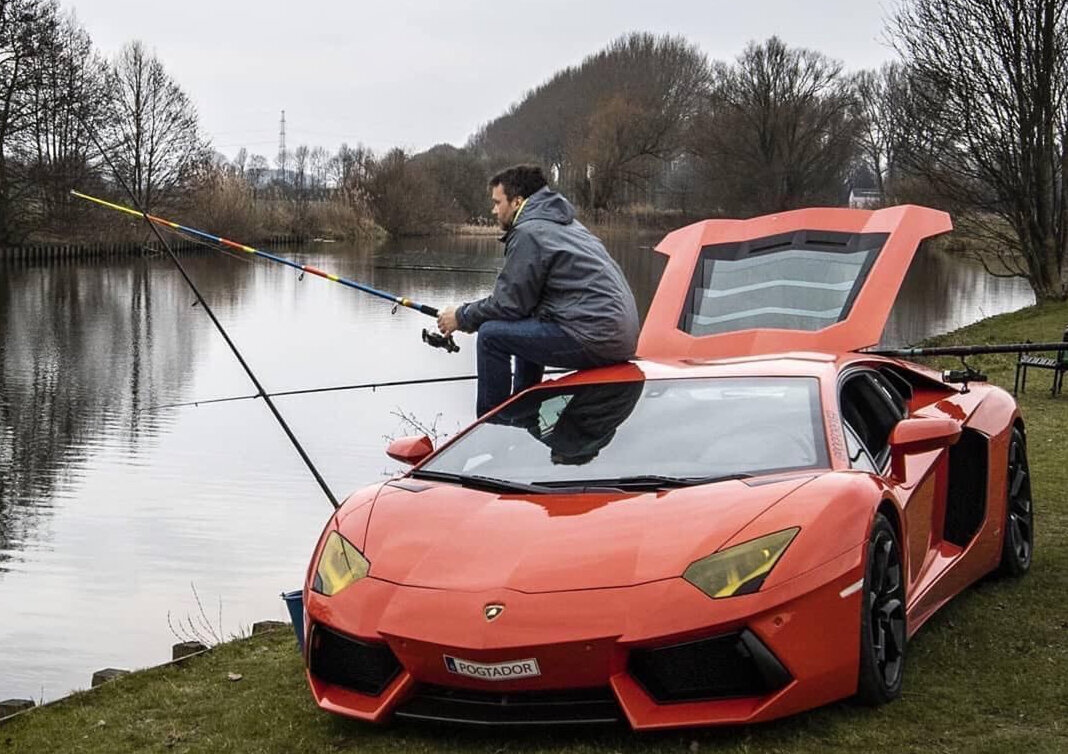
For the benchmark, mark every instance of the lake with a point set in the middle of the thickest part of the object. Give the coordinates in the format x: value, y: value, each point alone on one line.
x: 126, y: 527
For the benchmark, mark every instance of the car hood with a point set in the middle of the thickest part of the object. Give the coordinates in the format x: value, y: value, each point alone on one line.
x: 449, y: 537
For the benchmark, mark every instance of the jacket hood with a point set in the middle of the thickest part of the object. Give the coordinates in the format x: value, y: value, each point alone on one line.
x: 546, y: 204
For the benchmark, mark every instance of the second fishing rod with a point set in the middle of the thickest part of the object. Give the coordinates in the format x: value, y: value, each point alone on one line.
x: 430, y: 337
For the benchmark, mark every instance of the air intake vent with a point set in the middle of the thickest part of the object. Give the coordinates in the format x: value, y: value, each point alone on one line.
x: 966, y: 498
x: 727, y: 666
x: 342, y: 661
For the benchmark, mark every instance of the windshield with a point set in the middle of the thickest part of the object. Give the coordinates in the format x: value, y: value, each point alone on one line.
x: 686, y: 429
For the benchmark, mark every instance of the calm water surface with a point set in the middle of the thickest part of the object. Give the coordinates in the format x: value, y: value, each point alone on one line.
x: 113, y: 513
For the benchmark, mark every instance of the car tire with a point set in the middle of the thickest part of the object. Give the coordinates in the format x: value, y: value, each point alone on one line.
x: 883, y: 633
x: 1018, y: 540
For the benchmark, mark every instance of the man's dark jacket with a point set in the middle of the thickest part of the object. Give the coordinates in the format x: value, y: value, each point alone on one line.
x: 557, y: 271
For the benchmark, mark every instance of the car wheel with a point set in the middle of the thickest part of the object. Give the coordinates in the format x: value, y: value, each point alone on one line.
x: 1019, y: 537
x: 882, y: 618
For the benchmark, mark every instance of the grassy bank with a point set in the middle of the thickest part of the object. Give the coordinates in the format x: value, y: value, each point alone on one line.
x: 987, y: 674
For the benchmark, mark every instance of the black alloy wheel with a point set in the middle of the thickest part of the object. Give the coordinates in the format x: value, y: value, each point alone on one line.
x: 1018, y: 544
x: 882, y: 618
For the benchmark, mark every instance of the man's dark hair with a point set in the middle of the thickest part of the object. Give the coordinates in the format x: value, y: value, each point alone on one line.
x: 519, y: 180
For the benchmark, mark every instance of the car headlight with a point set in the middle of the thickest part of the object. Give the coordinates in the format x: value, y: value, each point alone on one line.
x: 340, y: 564
x: 740, y: 569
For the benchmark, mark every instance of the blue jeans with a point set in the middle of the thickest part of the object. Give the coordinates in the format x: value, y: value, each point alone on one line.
x: 535, y: 345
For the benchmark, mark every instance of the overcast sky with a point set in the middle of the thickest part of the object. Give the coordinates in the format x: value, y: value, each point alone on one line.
x: 414, y: 74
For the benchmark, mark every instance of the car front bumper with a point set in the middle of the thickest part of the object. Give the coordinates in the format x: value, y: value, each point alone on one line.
x: 659, y: 655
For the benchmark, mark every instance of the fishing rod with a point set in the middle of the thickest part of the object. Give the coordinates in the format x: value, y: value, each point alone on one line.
x: 969, y: 373
x: 332, y: 389
x: 431, y: 338
x: 309, y: 391
x: 971, y: 350
x: 260, y: 392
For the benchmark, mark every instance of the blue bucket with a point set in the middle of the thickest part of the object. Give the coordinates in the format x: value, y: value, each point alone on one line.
x: 295, y: 604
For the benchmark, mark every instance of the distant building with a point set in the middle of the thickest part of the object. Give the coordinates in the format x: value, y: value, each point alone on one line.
x: 865, y: 198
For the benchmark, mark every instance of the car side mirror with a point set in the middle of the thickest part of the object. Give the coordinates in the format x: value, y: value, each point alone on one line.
x: 410, y: 450
x: 919, y: 435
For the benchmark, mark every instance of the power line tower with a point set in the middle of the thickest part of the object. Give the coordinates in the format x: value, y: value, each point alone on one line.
x: 282, y: 147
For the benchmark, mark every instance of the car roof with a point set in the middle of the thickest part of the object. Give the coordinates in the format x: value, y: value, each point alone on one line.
x: 811, y: 280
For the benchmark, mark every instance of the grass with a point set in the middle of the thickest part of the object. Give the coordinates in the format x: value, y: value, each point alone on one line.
x: 989, y: 673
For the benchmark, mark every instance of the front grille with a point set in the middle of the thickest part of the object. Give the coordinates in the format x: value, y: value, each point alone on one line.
x: 343, y: 661
x: 725, y: 666
x: 455, y: 705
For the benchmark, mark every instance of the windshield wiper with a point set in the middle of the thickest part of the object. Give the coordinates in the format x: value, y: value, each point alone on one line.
x: 489, y: 483
x: 493, y: 484
x: 573, y: 486
x: 662, y: 481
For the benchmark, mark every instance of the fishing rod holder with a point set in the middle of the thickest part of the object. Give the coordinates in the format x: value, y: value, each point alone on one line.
x: 963, y: 376
x: 437, y: 340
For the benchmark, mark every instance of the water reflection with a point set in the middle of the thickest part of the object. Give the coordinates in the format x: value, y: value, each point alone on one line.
x: 942, y: 293
x: 110, y: 510
x: 82, y: 347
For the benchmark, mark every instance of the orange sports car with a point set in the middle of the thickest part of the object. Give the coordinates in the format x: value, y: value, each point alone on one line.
x: 749, y: 520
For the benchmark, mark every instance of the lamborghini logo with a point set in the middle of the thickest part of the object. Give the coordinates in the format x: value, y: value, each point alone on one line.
x: 492, y: 612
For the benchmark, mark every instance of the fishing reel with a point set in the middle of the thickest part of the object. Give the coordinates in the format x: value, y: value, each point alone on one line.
x: 437, y: 340
x: 963, y: 376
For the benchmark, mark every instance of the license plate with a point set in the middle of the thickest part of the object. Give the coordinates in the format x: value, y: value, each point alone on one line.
x: 494, y: 671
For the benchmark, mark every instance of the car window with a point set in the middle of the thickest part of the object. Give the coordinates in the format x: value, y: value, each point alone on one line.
x: 891, y: 393
x: 686, y: 428
x: 899, y: 385
x: 858, y: 456
x: 870, y: 410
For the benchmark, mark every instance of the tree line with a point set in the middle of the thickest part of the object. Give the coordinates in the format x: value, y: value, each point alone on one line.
x: 57, y: 95
x: 971, y: 118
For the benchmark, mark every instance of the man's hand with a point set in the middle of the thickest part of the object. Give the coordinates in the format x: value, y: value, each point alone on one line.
x: 447, y: 323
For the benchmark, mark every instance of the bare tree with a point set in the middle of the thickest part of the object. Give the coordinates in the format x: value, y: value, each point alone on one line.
x: 536, y: 129
x: 23, y: 24
x: 299, y: 166
x: 403, y: 197
x: 319, y: 168
x: 461, y: 179
x: 154, y: 137
x: 777, y: 131
x: 349, y: 171
x: 240, y: 162
x: 884, y: 124
x: 67, y: 84
x: 608, y: 124
x: 257, y: 171
x: 990, y: 91
x: 650, y: 89
x: 301, y: 215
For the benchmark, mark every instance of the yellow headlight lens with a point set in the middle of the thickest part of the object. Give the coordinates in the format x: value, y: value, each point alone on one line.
x: 740, y: 569
x: 340, y: 564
